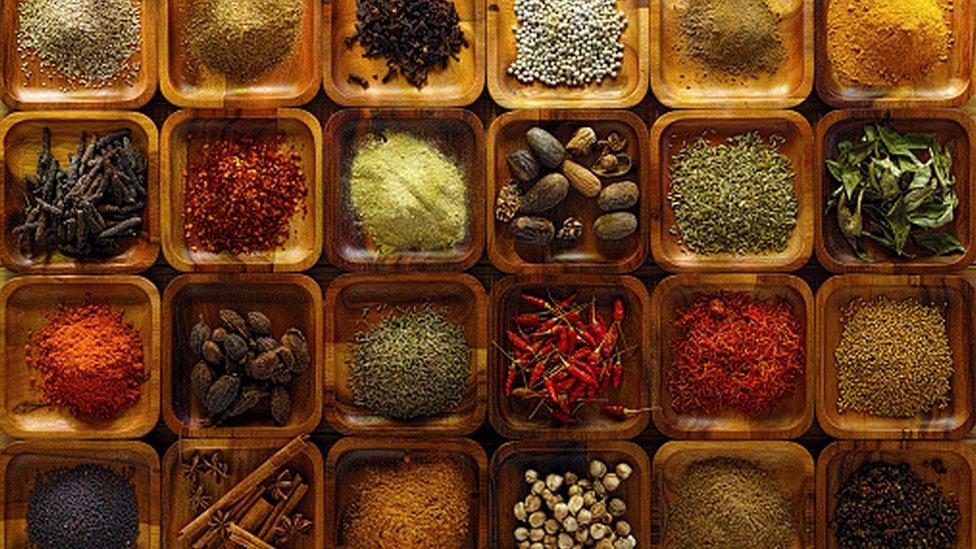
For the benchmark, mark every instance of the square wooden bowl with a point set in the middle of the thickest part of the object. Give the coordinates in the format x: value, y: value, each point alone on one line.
x: 510, y: 417
x: 289, y: 300
x: 353, y: 303
x: 507, y: 134
x: 21, y: 140
x: 948, y: 85
x: 833, y: 251
x: 510, y: 461
x: 842, y: 458
x: 674, y: 130
x: 957, y: 294
x: 38, y: 92
x: 680, y: 82
x: 242, y: 457
x: 626, y: 90
x: 24, y: 301
x: 301, y: 131
x: 22, y: 462
x: 457, y: 133
x: 457, y: 85
x: 294, y: 82
x: 349, y: 457
x: 788, y: 419
x: 790, y: 463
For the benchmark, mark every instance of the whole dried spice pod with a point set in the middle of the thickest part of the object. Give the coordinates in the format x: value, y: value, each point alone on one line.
x: 235, y: 322
x: 280, y: 406
x: 248, y: 398
x: 582, y: 142
x: 212, y: 353
x: 266, y: 344
x: 201, y: 378
x: 259, y: 324
x: 222, y: 393
x: 523, y: 165
x: 546, y: 194
x: 235, y: 347
x: 198, y: 335
x: 546, y: 148
x: 262, y: 366
x: 583, y: 180
x: 294, y: 339
x: 533, y: 230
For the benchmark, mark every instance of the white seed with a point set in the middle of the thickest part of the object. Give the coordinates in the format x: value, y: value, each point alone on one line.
x: 597, y: 469
x: 589, y: 498
x: 537, y: 519
x: 571, y: 478
x: 536, y: 534
x: 554, y: 482
x: 531, y: 475
x: 575, y: 503
x: 617, y: 507
x: 565, y: 541
x: 538, y: 486
x: 521, y: 533
x: 611, y: 482
x: 622, y: 528
x: 584, y: 517
x: 532, y: 503
x: 519, y: 511
x: 599, y: 531
x: 560, y: 511
x: 551, y: 526
x: 583, y: 535
x: 524, y: 544
x: 623, y: 470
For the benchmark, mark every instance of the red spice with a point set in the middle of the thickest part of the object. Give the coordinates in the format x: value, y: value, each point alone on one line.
x: 732, y: 352
x: 241, y: 196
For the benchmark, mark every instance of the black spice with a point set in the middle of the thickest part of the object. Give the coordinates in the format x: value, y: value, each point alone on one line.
x: 359, y: 80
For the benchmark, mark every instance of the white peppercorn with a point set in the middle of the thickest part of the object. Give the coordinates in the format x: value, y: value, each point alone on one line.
x: 538, y: 486
x: 622, y: 528
x: 554, y: 482
x: 604, y: 544
x: 560, y: 511
x: 599, y: 531
x: 575, y: 489
x: 570, y: 524
x: 597, y: 469
x: 565, y: 541
x: 589, y: 498
x: 584, y: 517
x: 531, y: 475
x: 571, y: 478
x: 575, y: 503
x: 536, y: 546
x: 533, y: 503
x: 624, y: 470
x: 611, y: 482
x: 537, y: 519
x: 524, y: 544
x: 551, y: 526
x: 536, y: 534
x: 617, y: 507
x: 521, y: 533
x: 519, y: 511
x: 583, y: 535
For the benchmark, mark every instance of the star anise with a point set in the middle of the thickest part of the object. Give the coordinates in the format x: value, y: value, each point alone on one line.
x: 216, y: 466
x: 220, y: 520
x: 193, y: 467
x: 282, y: 485
x: 199, y: 500
x: 288, y: 528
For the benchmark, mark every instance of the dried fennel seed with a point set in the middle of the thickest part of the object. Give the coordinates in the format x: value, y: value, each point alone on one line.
x: 893, y: 359
x: 413, y: 364
x: 736, y: 197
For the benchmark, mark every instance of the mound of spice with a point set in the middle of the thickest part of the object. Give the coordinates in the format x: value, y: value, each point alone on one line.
x: 732, y: 38
x: 421, y: 502
x: 240, y: 196
x: 732, y: 351
x: 883, y: 43
x: 888, y: 505
x: 84, y: 43
x: 88, y: 359
x: 413, y: 364
x: 242, y: 40
x: 728, y: 503
x: 733, y: 198
x: 894, y: 358
x: 83, y: 507
x: 407, y: 195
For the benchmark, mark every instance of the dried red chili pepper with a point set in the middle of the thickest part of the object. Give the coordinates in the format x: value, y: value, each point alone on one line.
x: 563, y: 417
x: 620, y: 412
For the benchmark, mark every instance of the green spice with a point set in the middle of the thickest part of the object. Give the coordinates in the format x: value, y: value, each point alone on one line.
x: 886, y: 194
x: 413, y: 364
x: 736, y: 197
x: 727, y: 503
x: 893, y: 359
x: 407, y: 195
x: 734, y: 38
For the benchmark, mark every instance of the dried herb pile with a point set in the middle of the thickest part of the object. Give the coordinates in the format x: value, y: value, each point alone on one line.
x: 732, y: 38
x: 887, y: 195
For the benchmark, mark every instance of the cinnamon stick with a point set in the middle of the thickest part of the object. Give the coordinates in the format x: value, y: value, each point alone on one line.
x: 256, y: 515
x: 290, y: 506
x: 267, y: 529
x: 246, y: 539
x: 240, y: 508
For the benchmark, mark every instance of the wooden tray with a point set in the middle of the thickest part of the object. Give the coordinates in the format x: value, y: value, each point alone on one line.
x: 949, y: 85
x: 22, y: 462
x: 510, y: 461
x: 789, y: 462
x: 682, y: 83
x: 841, y: 458
x: 289, y: 300
x: 673, y: 130
x: 833, y: 251
x: 40, y: 93
x: 958, y: 295
x: 348, y: 457
x: 625, y: 91
x: 294, y: 82
x: 460, y: 84
x: 511, y: 419
x: 21, y: 140
x: 457, y: 133
x: 23, y: 303
x: 243, y: 456
x: 507, y: 134
x: 351, y: 303
x: 790, y: 418
x: 301, y: 130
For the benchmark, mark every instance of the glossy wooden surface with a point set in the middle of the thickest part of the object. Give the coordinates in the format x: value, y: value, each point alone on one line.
x: 674, y: 131
x: 681, y: 82
x: 288, y: 300
x: 355, y: 303
x: 953, y: 293
x: 22, y: 463
x: 507, y: 134
x: 788, y: 419
x: 24, y: 302
x: 456, y: 133
x: 301, y: 131
x: 833, y: 251
x: 789, y: 463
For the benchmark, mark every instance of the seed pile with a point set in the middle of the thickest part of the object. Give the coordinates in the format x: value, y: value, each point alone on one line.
x: 88, y: 43
x: 736, y: 197
x: 419, y: 503
x: 413, y: 364
x: 567, y: 42
x: 243, y: 40
x: 887, y: 505
x: 84, y: 211
x: 727, y: 503
x: 84, y: 507
x: 734, y: 38
x: 893, y: 359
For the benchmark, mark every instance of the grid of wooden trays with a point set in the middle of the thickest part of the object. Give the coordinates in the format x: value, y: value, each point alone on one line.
x: 305, y: 278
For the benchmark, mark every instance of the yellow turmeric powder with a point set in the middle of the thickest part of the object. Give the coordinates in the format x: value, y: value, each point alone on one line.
x: 884, y: 43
